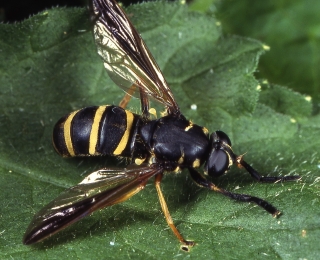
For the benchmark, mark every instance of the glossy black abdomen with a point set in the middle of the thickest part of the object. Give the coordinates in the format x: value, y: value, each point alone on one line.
x: 97, y: 130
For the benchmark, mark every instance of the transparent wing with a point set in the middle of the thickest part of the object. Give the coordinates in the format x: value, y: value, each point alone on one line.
x: 126, y: 56
x: 100, y: 189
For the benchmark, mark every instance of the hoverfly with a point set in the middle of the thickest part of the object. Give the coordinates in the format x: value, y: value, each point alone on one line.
x: 168, y: 144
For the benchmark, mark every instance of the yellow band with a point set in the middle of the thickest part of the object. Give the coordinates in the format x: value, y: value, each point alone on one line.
x: 95, y: 130
x: 67, y: 133
x: 124, y: 140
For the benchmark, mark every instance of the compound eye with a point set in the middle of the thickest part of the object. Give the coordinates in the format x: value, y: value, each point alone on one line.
x: 217, y: 164
x: 219, y: 136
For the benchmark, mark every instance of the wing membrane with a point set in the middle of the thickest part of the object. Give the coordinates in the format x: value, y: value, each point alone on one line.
x: 126, y: 57
x: 100, y: 189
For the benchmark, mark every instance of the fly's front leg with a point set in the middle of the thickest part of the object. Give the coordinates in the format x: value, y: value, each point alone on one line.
x: 203, y: 182
x: 254, y: 174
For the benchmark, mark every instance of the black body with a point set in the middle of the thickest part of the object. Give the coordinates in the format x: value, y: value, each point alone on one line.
x: 172, y: 140
x: 175, y: 141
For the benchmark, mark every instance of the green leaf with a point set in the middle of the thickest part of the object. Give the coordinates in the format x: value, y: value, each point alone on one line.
x: 286, y: 101
x: 49, y: 67
x: 202, y: 5
x: 292, y: 30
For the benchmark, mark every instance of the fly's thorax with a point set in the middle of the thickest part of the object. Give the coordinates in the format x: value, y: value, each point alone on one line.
x: 174, y: 139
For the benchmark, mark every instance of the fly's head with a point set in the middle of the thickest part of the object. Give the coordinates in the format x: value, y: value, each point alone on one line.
x: 220, y: 157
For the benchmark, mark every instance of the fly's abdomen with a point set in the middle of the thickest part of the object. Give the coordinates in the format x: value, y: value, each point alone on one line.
x: 98, y: 130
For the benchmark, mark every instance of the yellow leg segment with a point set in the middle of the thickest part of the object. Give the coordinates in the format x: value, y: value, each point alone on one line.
x: 185, y: 244
x: 124, y: 102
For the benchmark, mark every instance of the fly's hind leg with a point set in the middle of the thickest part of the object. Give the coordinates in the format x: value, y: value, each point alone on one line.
x: 185, y: 243
x: 125, y: 100
x: 144, y: 100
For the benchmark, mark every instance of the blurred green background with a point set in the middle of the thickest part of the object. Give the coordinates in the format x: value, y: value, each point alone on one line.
x: 291, y: 28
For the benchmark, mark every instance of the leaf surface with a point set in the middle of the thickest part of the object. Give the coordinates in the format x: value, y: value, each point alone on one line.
x: 49, y: 67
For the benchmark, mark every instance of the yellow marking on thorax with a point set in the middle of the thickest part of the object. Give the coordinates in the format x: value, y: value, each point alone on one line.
x: 176, y: 170
x: 189, y: 126
x: 164, y: 113
x: 153, y: 112
x: 181, y: 159
x: 67, y: 133
x: 139, y: 161
x: 124, y: 140
x: 196, y: 163
x: 205, y: 130
x: 95, y: 129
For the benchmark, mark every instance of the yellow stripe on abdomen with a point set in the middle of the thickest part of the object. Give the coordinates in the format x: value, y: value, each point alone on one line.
x: 67, y: 133
x: 124, y: 140
x: 95, y: 130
